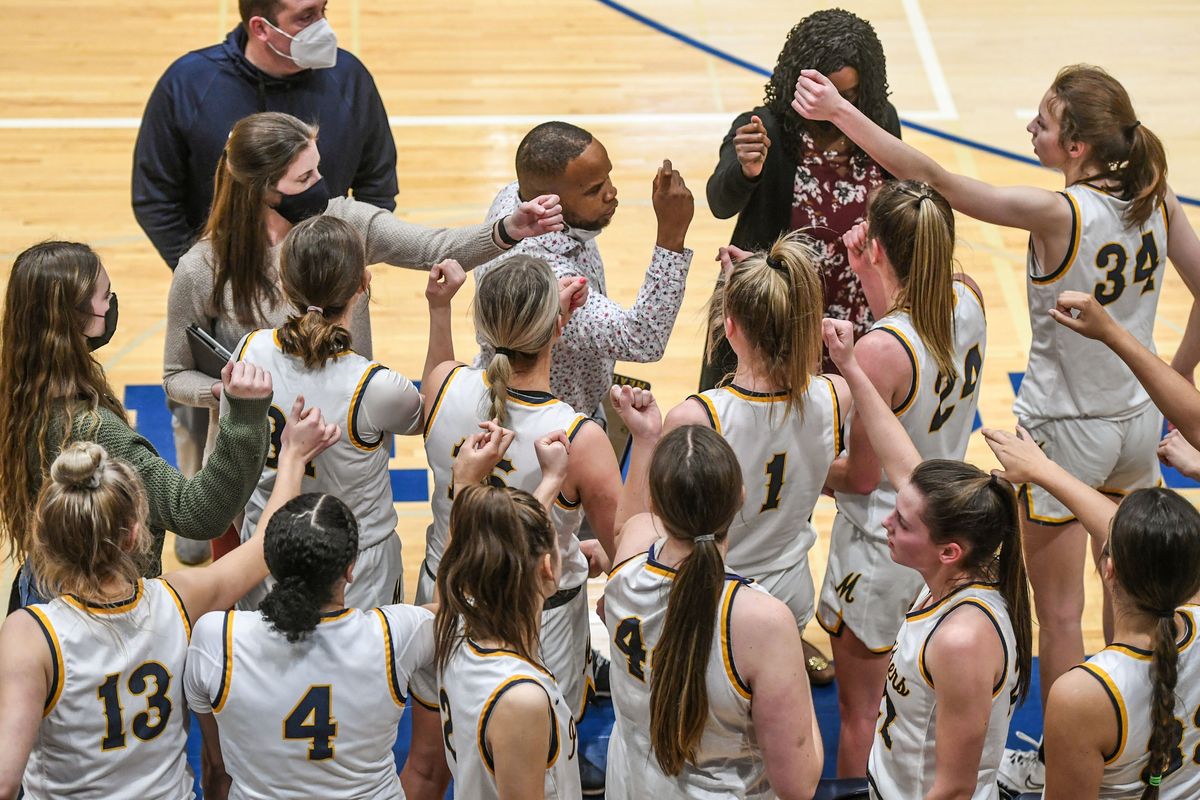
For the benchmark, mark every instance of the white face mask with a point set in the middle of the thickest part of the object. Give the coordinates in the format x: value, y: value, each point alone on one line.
x: 315, y: 47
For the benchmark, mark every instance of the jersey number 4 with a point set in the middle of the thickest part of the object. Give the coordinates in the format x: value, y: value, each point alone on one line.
x: 972, y: 367
x: 629, y: 641
x: 312, y: 719
x: 146, y: 724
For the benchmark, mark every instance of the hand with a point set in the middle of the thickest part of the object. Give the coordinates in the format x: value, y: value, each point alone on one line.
x: 855, y: 240
x: 445, y: 279
x: 816, y: 97
x: 751, y: 143
x: 673, y: 206
x: 478, y: 455
x: 245, y: 381
x: 306, y: 434
x: 1022, y: 459
x: 542, y: 214
x: 552, y: 452
x: 572, y: 294
x: 839, y: 341
x: 638, y: 411
x: 730, y: 255
x: 216, y: 387
x: 1175, y: 451
x: 1091, y: 321
x: 596, y: 557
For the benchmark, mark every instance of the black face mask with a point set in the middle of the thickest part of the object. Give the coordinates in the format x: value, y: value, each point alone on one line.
x: 110, y: 326
x: 296, y: 208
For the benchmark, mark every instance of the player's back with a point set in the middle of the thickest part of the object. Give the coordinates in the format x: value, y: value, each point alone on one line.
x: 1071, y: 375
x: 462, y: 402
x: 354, y: 468
x: 785, y: 459
x: 938, y: 413
x: 729, y: 761
x: 314, y: 718
x: 115, y: 720
x: 1124, y: 672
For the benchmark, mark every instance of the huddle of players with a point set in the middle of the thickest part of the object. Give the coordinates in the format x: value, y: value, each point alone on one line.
x: 705, y: 543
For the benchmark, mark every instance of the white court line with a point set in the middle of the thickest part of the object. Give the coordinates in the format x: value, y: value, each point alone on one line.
x: 929, y: 59
x: 456, y: 121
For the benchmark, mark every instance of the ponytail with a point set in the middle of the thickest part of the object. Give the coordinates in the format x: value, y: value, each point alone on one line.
x: 1164, y: 674
x: 979, y: 511
x: 516, y: 314
x: 1094, y: 108
x: 309, y: 544
x: 679, y: 691
x: 695, y: 491
x: 777, y: 300
x: 915, y: 226
x: 1154, y: 544
x: 322, y: 265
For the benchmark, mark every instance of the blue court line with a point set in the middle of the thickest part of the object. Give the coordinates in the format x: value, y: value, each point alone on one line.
x: 746, y: 65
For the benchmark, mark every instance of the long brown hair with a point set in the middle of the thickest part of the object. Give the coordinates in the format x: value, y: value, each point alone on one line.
x: 1155, y: 549
x: 915, y: 226
x: 777, y: 299
x: 259, y: 150
x: 321, y: 266
x: 964, y: 504
x: 516, y: 311
x: 695, y: 490
x: 89, y: 526
x: 1095, y: 109
x: 488, y: 578
x: 49, y: 373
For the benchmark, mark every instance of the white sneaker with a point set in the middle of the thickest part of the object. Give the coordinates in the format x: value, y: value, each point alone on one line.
x: 1022, y: 770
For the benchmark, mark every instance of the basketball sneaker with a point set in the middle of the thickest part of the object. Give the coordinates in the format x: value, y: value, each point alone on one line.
x: 1022, y: 770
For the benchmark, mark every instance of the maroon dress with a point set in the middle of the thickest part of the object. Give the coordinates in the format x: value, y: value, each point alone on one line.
x: 829, y: 197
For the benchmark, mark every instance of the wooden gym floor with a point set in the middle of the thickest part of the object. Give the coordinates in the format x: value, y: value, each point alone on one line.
x: 464, y: 81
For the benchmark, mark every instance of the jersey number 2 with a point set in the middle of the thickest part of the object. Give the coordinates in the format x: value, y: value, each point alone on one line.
x: 147, y: 724
x: 312, y: 719
x: 944, y: 386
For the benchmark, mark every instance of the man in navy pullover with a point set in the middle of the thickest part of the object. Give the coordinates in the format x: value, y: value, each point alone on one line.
x: 201, y: 96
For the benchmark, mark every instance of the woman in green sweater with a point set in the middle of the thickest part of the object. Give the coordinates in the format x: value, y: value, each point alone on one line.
x: 59, y: 307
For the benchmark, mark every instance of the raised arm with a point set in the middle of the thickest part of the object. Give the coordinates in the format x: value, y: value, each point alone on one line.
x: 222, y: 583
x: 1039, y: 211
x: 1024, y: 462
x: 744, y: 152
x: 445, y: 279
x: 896, y: 453
x: 1174, y: 394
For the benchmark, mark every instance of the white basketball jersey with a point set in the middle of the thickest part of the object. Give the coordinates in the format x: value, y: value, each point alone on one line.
x: 461, y: 404
x: 785, y: 458
x: 471, y: 684
x: 937, y: 414
x: 729, y: 762
x: 115, y: 721
x: 355, y: 468
x: 316, y: 718
x: 1069, y: 375
x: 903, y: 755
x: 1124, y: 672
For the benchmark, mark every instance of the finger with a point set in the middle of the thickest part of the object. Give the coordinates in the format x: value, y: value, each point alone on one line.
x: 1023, y: 434
x: 757, y: 122
x: 1066, y: 320
x: 666, y: 168
x: 298, y: 407
x: 999, y: 473
x: 227, y: 371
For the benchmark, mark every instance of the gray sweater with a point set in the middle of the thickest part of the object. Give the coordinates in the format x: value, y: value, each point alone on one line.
x: 388, y: 240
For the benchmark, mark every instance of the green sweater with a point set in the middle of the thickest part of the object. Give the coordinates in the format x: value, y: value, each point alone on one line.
x: 201, y: 507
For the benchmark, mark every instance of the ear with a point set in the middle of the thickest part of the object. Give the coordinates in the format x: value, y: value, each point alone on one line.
x: 1108, y: 572
x: 950, y: 553
x: 730, y: 327
x: 1078, y: 150
x: 875, y: 252
x: 349, y: 574
x: 546, y: 568
x: 366, y: 281
x: 258, y: 28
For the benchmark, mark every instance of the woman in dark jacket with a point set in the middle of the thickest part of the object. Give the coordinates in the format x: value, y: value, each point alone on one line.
x: 779, y: 172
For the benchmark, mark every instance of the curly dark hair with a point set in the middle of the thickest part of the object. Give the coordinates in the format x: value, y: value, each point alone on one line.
x: 828, y: 41
x: 309, y: 543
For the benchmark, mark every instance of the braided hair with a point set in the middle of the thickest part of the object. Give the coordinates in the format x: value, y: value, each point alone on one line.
x: 309, y: 544
x: 827, y: 41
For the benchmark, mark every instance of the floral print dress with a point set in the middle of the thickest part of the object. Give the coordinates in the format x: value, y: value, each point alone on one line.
x: 829, y: 197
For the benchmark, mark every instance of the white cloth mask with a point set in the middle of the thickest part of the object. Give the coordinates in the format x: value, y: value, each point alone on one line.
x: 315, y: 47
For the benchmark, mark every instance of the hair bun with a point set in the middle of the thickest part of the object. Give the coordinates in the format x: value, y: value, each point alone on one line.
x: 80, y: 466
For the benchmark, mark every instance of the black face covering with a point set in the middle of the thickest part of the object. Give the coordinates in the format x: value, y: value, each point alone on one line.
x: 296, y: 208
x: 110, y: 326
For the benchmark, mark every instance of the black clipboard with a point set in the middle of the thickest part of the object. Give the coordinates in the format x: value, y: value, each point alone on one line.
x: 207, y: 352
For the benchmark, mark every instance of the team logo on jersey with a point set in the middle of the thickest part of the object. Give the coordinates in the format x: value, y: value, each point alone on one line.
x: 897, y: 681
x: 845, y: 589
